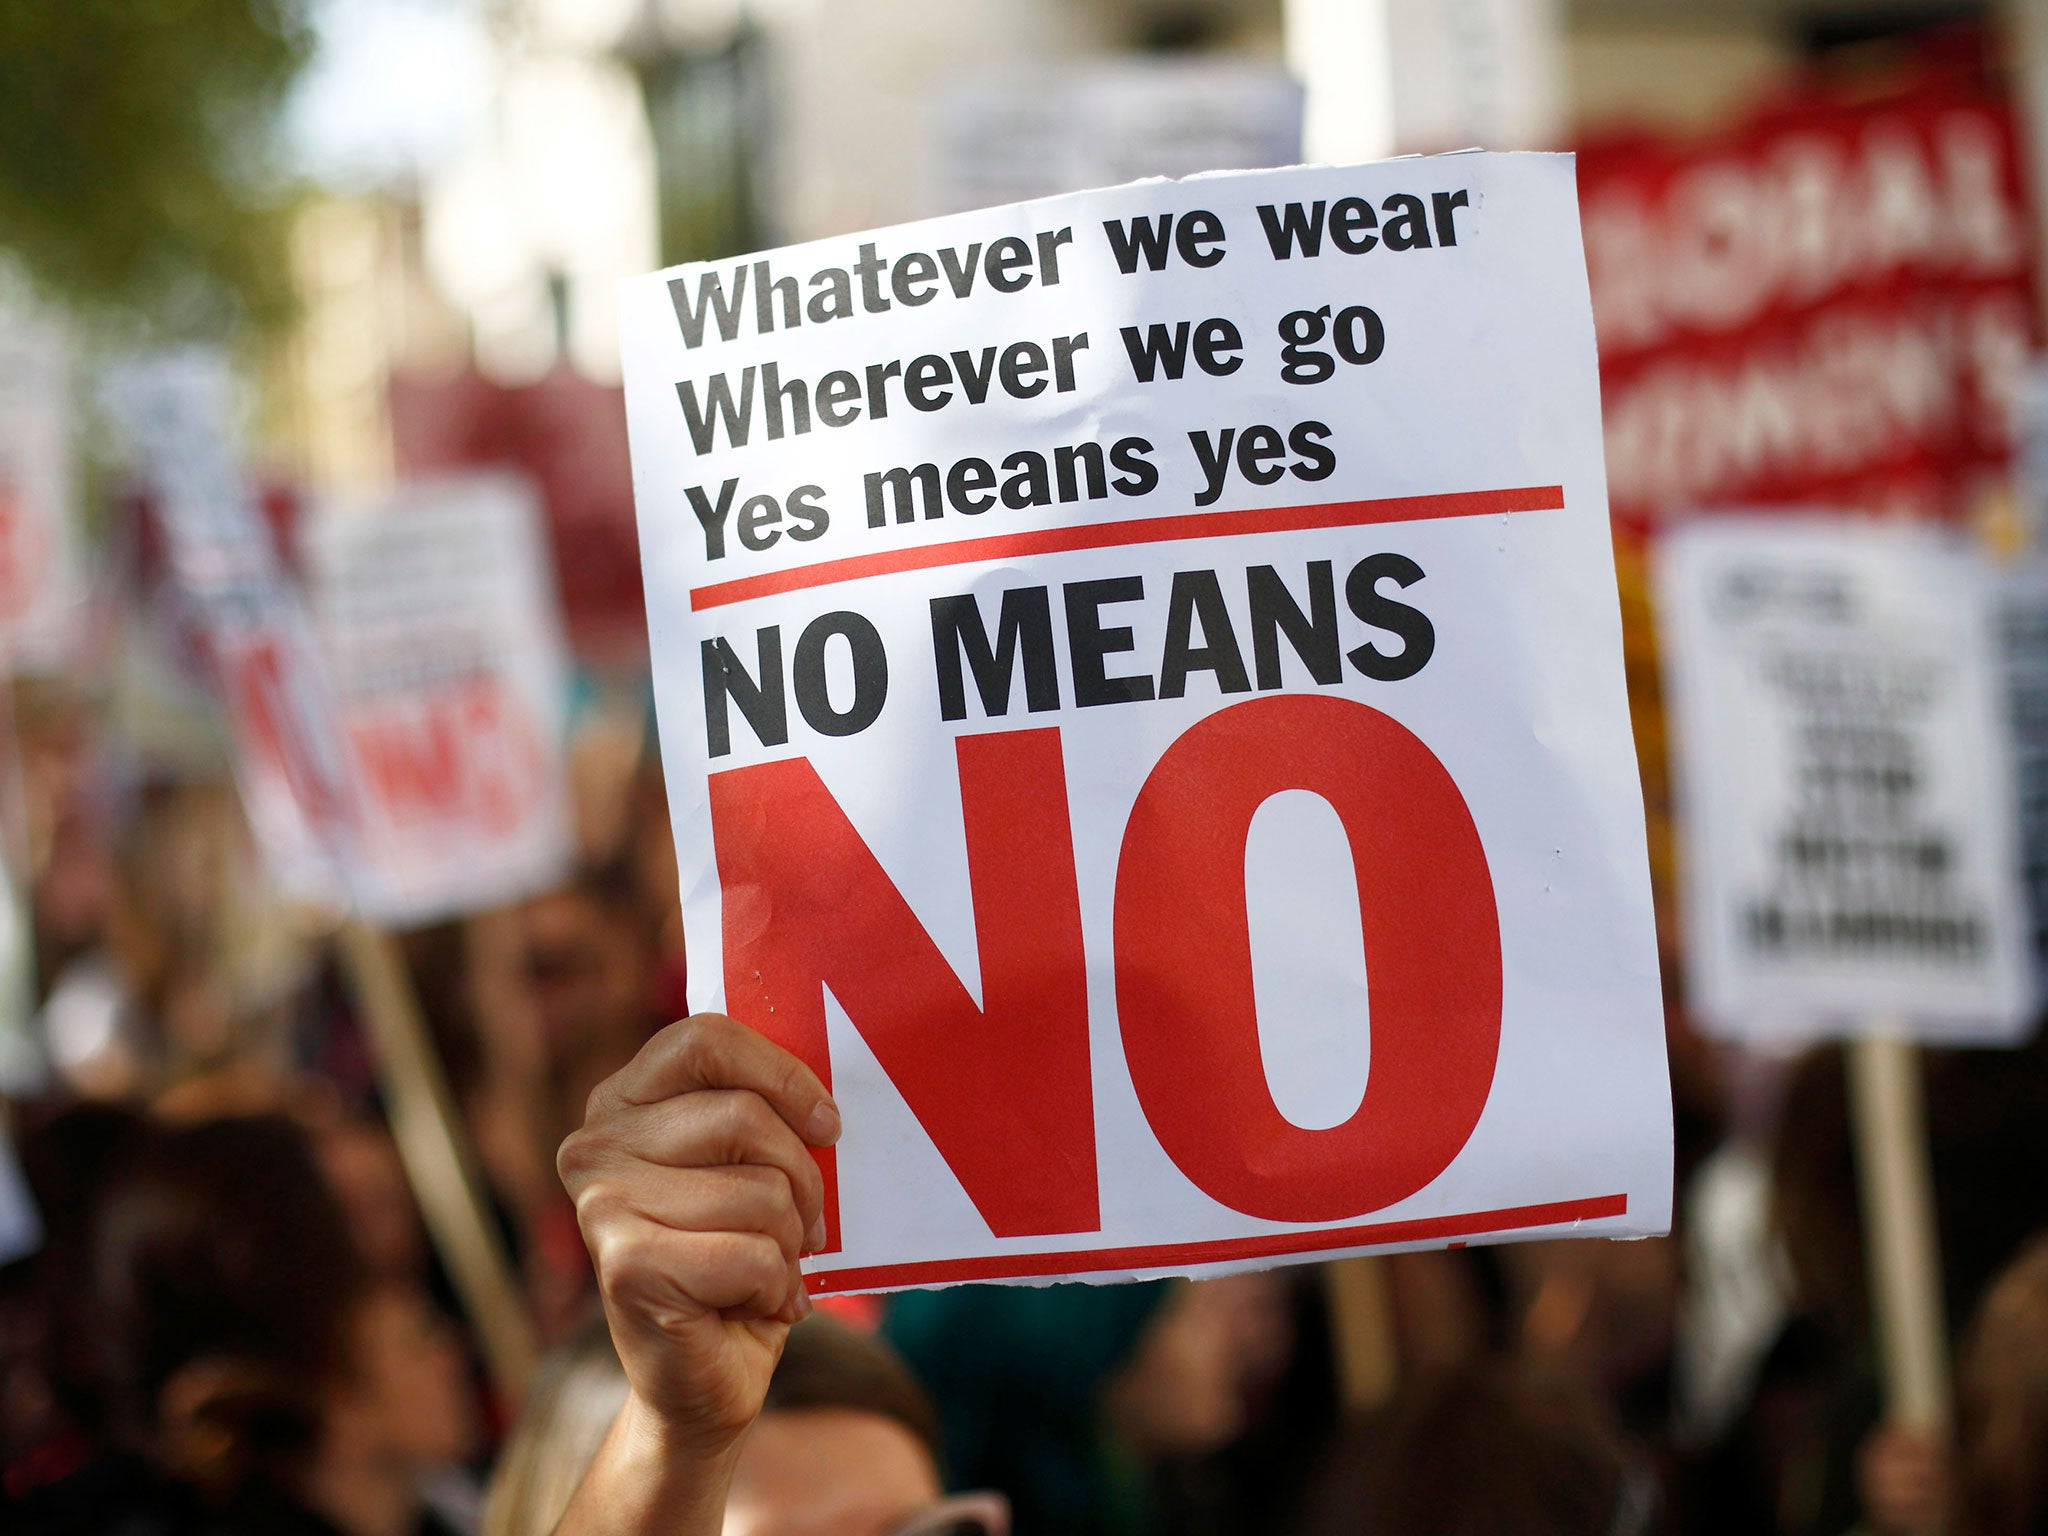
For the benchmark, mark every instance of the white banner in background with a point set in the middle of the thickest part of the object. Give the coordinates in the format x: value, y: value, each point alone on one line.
x: 1851, y: 861
x: 1125, y: 663
x: 439, y: 623
x: 42, y: 581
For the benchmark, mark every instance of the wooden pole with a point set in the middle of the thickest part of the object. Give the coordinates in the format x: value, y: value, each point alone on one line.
x: 1904, y: 1260
x: 437, y: 1161
x: 1362, y: 1331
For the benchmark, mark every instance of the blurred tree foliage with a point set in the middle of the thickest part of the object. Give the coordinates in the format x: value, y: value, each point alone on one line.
x: 134, y: 138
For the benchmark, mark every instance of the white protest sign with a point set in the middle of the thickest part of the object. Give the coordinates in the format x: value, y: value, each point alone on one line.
x: 1842, y: 765
x: 42, y: 585
x: 439, y: 625
x: 1140, y: 684
x: 176, y: 412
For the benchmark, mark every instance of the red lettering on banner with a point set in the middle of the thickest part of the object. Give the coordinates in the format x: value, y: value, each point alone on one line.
x: 1184, y: 964
x: 1003, y: 1090
x: 263, y: 704
x: 1828, y: 305
x: 464, y: 754
x: 22, y: 555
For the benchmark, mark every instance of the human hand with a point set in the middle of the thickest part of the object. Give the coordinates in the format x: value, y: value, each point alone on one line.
x: 1903, y: 1475
x: 697, y: 1193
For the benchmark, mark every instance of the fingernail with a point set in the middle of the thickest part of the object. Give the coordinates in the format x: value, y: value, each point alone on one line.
x: 814, y: 1240
x: 803, y: 1304
x: 824, y: 1127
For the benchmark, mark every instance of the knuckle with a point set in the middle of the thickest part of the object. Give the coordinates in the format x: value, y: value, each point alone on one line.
x: 623, y: 1259
x: 574, y: 1159
x: 699, y: 1036
x: 748, y: 1122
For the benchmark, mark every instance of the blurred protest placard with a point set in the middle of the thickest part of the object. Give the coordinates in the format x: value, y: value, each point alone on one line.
x: 42, y: 583
x: 1125, y: 661
x: 377, y: 798
x: 1849, y: 855
x: 401, y: 758
x: 1827, y: 305
x: 1007, y: 136
x: 176, y: 411
x: 568, y: 435
x: 443, y: 643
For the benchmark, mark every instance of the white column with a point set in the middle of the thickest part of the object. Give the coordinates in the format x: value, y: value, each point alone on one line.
x: 1389, y: 76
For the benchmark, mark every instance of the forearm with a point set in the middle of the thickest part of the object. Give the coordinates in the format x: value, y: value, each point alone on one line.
x: 645, y: 1482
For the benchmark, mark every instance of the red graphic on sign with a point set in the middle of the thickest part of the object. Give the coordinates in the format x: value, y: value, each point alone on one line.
x: 465, y: 756
x: 1002, y: 1089
x: 24, y: 553
x: 276, y: 731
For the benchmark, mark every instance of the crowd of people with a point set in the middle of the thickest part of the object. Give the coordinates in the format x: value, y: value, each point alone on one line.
x: 236, y: 1323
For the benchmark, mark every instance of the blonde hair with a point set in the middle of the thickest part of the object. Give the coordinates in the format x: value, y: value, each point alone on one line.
x: 576, y: 1394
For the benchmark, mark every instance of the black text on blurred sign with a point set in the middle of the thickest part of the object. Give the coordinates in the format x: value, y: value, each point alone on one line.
x: 1850, y: 857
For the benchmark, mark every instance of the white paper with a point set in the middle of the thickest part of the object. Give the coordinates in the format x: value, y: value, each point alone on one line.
x: 1307, y: 891
x: 1851, y: 861
x: 442, y: 635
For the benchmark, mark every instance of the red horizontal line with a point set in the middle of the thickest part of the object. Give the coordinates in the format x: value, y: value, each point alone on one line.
x: 1143, y: 530
x: 1024, y: 1266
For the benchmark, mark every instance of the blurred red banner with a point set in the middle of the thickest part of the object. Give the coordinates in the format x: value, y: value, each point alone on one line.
x: 1828, y: 306
x: 569, y: 434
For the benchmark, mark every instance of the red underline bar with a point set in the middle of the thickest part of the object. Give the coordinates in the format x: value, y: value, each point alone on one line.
x: 828, y: 1282
x: 1144, y: 530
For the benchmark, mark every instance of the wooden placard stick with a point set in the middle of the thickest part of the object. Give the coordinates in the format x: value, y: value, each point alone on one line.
x: 1362, y: 1331
x: 435, y: 1149
x: 1886, y: 1103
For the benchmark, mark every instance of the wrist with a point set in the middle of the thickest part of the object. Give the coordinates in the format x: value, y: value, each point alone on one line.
x: 651, y: 1476
x: 652, y: 1437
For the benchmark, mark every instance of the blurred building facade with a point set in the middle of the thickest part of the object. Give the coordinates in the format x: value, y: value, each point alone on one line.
x: 469, y: 308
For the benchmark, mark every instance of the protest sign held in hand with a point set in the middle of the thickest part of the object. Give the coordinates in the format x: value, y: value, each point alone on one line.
x: 443, y: 644
x: 1140, y: 687
x: 1844, y: 774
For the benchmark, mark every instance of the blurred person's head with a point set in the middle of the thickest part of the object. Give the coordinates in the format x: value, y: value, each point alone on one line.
x: 1815, y: 1213
x: 2002, y: 1428
x: 571, y: 1403
x: 1490, y: 1447
x: 205, y: 1300
x: 1200, y: 1366
x: 212, y: 1315
x: 400, y: 1398
x: 847, y: 1444
x: 363, y: 1168
x: 589, y: 965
